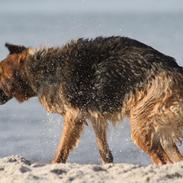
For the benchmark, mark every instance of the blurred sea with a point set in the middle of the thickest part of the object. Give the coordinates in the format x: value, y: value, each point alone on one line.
x: 27, y: 129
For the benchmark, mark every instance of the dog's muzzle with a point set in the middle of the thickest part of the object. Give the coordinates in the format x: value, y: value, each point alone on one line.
x: 3, y: 97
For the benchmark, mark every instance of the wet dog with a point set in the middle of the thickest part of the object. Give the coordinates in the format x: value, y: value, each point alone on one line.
x: 102, y: 80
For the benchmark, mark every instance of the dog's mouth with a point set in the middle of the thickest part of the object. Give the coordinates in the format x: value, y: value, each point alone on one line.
x: 3, y: 97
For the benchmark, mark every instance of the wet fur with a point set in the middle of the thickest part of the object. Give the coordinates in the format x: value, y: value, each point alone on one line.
x: 103, y: 79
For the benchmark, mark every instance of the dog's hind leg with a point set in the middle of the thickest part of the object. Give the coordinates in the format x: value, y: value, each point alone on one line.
x: 144, y: 136
x: 171, y: 132
x: 100, y: 128
x: 172, y: 151
x: 170, y: 126
x: 73, y: 126
x: 178, y: 152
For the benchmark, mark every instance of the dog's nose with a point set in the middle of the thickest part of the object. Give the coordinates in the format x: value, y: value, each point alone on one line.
x: 3, y: 97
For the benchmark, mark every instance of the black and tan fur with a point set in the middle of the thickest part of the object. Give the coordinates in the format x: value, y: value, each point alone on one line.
x: 101, y: 80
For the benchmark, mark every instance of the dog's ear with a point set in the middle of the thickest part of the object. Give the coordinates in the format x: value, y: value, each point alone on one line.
x: 15, y: 48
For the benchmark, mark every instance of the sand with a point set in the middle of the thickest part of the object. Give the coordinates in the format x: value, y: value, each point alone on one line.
x: 16, y: 169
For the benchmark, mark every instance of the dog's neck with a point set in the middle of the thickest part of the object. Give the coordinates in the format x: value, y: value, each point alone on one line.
x: 43, y: 67
x: 43, y: 73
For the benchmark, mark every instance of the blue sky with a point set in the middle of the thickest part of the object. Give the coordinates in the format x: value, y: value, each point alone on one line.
x: 91, y: 5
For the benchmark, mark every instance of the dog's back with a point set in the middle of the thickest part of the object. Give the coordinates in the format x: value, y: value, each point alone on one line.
x: 99, y: 74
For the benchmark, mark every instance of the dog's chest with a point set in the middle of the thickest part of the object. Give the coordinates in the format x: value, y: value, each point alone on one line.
x: 51, y: 98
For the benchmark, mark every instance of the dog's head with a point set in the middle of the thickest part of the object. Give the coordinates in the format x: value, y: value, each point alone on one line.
x: 13, y: 82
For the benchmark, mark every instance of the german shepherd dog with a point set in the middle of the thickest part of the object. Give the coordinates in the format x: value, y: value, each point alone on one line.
x: 101, y: 80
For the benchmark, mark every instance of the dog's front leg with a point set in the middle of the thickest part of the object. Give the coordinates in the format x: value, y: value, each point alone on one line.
x: 100, y: 128
x: 73, y: 126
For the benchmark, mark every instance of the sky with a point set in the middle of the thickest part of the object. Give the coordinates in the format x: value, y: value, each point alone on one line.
x: 57, y: 6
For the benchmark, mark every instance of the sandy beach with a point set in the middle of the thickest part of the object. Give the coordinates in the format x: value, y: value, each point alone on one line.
x: 16, y: 169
